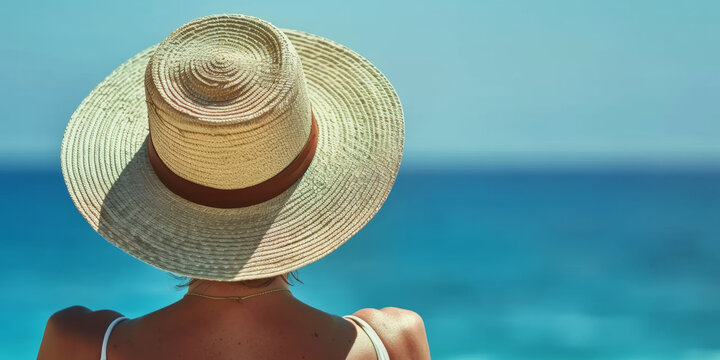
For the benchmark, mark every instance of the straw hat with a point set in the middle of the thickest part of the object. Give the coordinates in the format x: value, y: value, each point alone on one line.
x: 234, y: 150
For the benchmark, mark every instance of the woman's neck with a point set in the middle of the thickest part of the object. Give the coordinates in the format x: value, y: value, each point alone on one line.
x: 235, y: 288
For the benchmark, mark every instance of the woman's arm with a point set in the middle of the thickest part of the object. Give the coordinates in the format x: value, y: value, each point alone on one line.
x: 75, y: 333
x: 402, y: 331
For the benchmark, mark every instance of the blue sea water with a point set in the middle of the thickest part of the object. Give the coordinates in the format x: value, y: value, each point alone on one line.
x: 536, y: 264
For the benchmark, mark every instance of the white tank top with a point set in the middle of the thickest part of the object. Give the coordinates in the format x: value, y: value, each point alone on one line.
x: 380, y: 350
x: 103, y: 354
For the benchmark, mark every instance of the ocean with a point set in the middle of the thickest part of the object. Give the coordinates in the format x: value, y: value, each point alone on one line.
x: 501, y: 264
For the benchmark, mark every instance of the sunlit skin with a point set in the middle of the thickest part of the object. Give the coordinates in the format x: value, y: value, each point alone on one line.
x: 270, y: 326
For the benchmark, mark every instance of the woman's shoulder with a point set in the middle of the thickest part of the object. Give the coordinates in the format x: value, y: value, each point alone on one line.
x: 75, y: 333
x: 402, y: 331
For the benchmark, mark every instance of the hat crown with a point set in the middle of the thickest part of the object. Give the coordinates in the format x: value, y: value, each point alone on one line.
x: 227, y: 101
x: 225, y: 74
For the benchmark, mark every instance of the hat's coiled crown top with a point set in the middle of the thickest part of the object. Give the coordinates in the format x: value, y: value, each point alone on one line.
x: 227, y: 101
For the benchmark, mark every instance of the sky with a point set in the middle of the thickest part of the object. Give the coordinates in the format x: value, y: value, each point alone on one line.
x: 481, y: 82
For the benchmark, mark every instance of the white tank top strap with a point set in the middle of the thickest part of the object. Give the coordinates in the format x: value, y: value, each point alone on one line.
x: 380, y: 350
x: 103, y: 354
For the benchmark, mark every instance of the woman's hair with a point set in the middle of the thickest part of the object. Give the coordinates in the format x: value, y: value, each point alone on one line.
x: 255, y: 283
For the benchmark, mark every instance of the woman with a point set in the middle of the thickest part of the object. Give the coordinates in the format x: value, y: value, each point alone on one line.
x: 234, y: 153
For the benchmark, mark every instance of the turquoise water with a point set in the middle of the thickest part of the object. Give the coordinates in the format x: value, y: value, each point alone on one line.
x: 501, y: 265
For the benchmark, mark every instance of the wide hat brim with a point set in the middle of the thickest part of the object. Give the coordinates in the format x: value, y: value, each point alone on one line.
x: 361, y: 128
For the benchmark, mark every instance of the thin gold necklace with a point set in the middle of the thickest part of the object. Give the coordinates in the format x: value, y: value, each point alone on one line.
x: 238, y: 298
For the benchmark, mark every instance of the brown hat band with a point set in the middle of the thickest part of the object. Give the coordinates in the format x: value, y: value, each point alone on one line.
x: 236, y: 198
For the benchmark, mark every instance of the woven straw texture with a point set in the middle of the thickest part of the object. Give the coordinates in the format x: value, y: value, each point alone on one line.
x: 238, y: 92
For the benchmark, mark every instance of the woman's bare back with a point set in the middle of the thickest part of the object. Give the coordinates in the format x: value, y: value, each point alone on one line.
x: 275, y: 326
